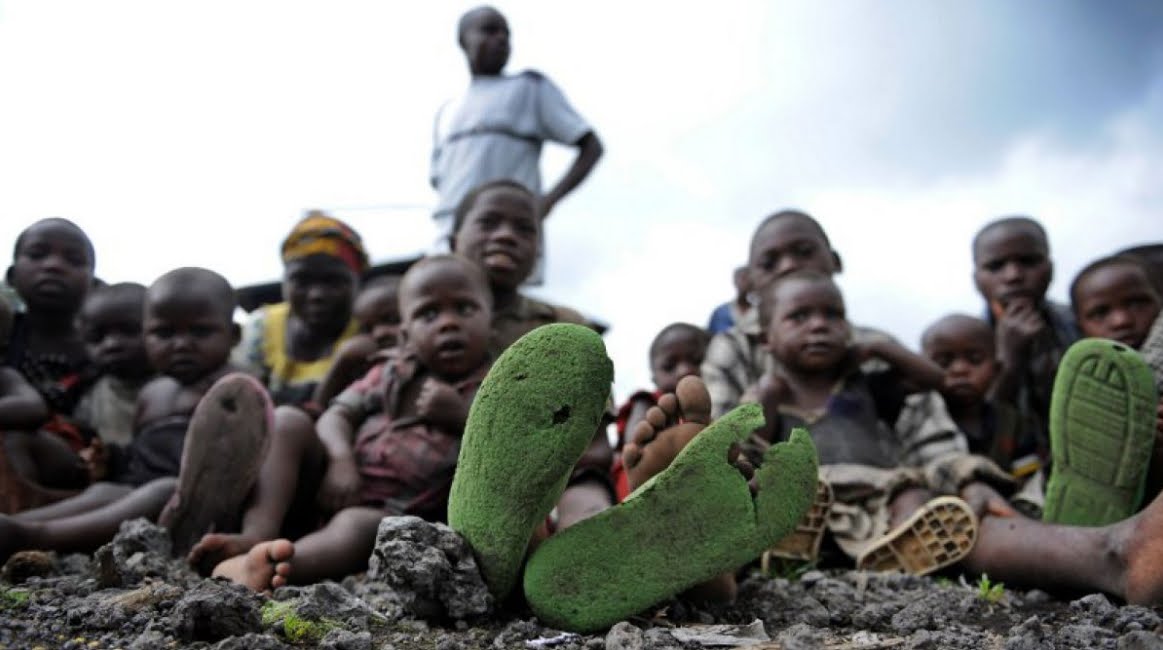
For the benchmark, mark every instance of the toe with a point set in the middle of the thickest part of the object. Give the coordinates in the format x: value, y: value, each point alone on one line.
x: 669, y: 404
x: 694, y: 400
x: 656, y: 419
x: 631, y: 455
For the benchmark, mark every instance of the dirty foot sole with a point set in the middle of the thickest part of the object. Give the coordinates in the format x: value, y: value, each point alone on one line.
x: 532, y: 419
x: 694, y: 520
x: 228, y: 436
x: 1102, y: 420
x: 939, y: 533
x: 803, y: 543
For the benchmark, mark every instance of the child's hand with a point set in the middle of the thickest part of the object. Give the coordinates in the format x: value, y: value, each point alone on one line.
x: 96, y: 458
x: 438, y: 401
x: 340, y: 487
x: 1019, y: 325
x: 984, y: 500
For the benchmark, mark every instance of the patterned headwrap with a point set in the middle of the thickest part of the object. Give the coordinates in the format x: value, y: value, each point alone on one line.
x: 319, y: 234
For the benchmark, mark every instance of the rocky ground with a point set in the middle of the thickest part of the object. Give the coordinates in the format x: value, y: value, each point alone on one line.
x: 423, y: 591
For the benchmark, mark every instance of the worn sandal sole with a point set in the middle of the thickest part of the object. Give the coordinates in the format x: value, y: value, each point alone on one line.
x: 1102, y: 422
x: 225, y: 444
x: 692, y: 521
x: 532, y: 419
x: 803, y: 544
x: 939, y: 533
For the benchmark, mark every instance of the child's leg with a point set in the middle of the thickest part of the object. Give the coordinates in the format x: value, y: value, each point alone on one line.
x: 340, y: 548
x: 86, y: 531
x: 95, y: 496
x: 45, y: 459
x: 1124, y: 559
x: 289, y: 476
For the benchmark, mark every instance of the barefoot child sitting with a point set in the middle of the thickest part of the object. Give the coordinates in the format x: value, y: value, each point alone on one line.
x: 377, y: 310
x: 189, y: 332
x: 676, y: 352
x: 386, y: 446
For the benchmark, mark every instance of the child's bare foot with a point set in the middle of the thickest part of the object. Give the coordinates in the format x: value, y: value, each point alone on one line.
x: 666, y: 429
x: 215, y: 548
x: 266, y: 566
x: 1143, y: 554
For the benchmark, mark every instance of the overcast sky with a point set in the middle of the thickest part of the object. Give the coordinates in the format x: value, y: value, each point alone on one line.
x: 196, y: 133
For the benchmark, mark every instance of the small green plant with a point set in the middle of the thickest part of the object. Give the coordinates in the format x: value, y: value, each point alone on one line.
x: 990, y: 592
x: 13, y: 598
x: 943, y: 582
x: 296, y: 629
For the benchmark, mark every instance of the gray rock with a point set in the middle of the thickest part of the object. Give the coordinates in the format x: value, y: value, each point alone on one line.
x: 430, y: 568
x: 150, y: 640
x: 215, y: 610
x: 801, y: 637
x: 1030, y: 635
x: 1134, y: 617
x: 1084, y: 637
x: 657, y: 638
x: 340, y: 639
x: 139, y: 550
x: 516, y: 633
x: 251, y: 642
x: 624, y: 636
x: 327, y: 600
x: 1140, y: 640
x: 1094, y: 606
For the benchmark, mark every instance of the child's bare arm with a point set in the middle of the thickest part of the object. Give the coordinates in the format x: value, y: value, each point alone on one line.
x: 21, y: 407
x: 442, y: 406
x: 340, y: 487
x: 351, y: 363
x: 916, y: 370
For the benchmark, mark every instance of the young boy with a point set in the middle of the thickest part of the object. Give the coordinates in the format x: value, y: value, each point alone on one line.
x: 387, y: 446
x: 1012, y: 270
x: 676, y: 352
x: 784, y: 242
x: 496, y: 128
x: 377, y: 310
x: 111, y: 326
x: 21, y: 409
x: 189, y: 332
x: 52, y: 270
x: 817, y: 382
x: 964, y: 347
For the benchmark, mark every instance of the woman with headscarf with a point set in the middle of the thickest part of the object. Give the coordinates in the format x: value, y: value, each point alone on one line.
x: 290, y: 345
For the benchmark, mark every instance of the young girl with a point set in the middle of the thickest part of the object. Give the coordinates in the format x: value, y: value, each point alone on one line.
x: 52, y: 270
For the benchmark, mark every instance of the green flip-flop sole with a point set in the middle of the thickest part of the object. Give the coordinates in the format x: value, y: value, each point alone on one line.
x: 1102, y: 420
x: 694, y: 520
x: 532, y: 419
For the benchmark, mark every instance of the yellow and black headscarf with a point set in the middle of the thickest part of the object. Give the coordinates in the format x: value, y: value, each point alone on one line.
x: 319, y: 234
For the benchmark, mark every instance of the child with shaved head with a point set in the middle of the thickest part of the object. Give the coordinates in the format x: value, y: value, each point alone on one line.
x: 387, y: 445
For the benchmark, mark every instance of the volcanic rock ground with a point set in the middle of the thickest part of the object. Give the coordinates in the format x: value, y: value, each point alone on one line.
x: 423, y: 592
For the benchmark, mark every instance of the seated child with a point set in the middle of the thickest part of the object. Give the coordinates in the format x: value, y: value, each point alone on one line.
x: 817, y: 382
x: 1115, y: 298
x: 377, y: 310
x: 676, y: 352
x: 189, y: 333
x: 52, y: 270
x: 782, y: 243
x: 387, y: 445
x: 1012, y: 270
x: 111, y: 326
x: 964, y: 347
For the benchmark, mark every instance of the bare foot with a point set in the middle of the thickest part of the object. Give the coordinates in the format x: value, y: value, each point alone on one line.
x: 666, y: 429
x: 1143, y: 554
x: 215, y: 548
x: 266, y: 566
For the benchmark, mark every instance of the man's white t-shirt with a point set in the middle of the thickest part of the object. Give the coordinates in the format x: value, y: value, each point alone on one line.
x: 495, y: 131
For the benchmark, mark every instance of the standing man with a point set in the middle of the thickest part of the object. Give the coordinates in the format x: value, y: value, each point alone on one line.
x: 494, y: 130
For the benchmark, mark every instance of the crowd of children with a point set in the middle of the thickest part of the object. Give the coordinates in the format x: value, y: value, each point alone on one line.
x: 272, y: 452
